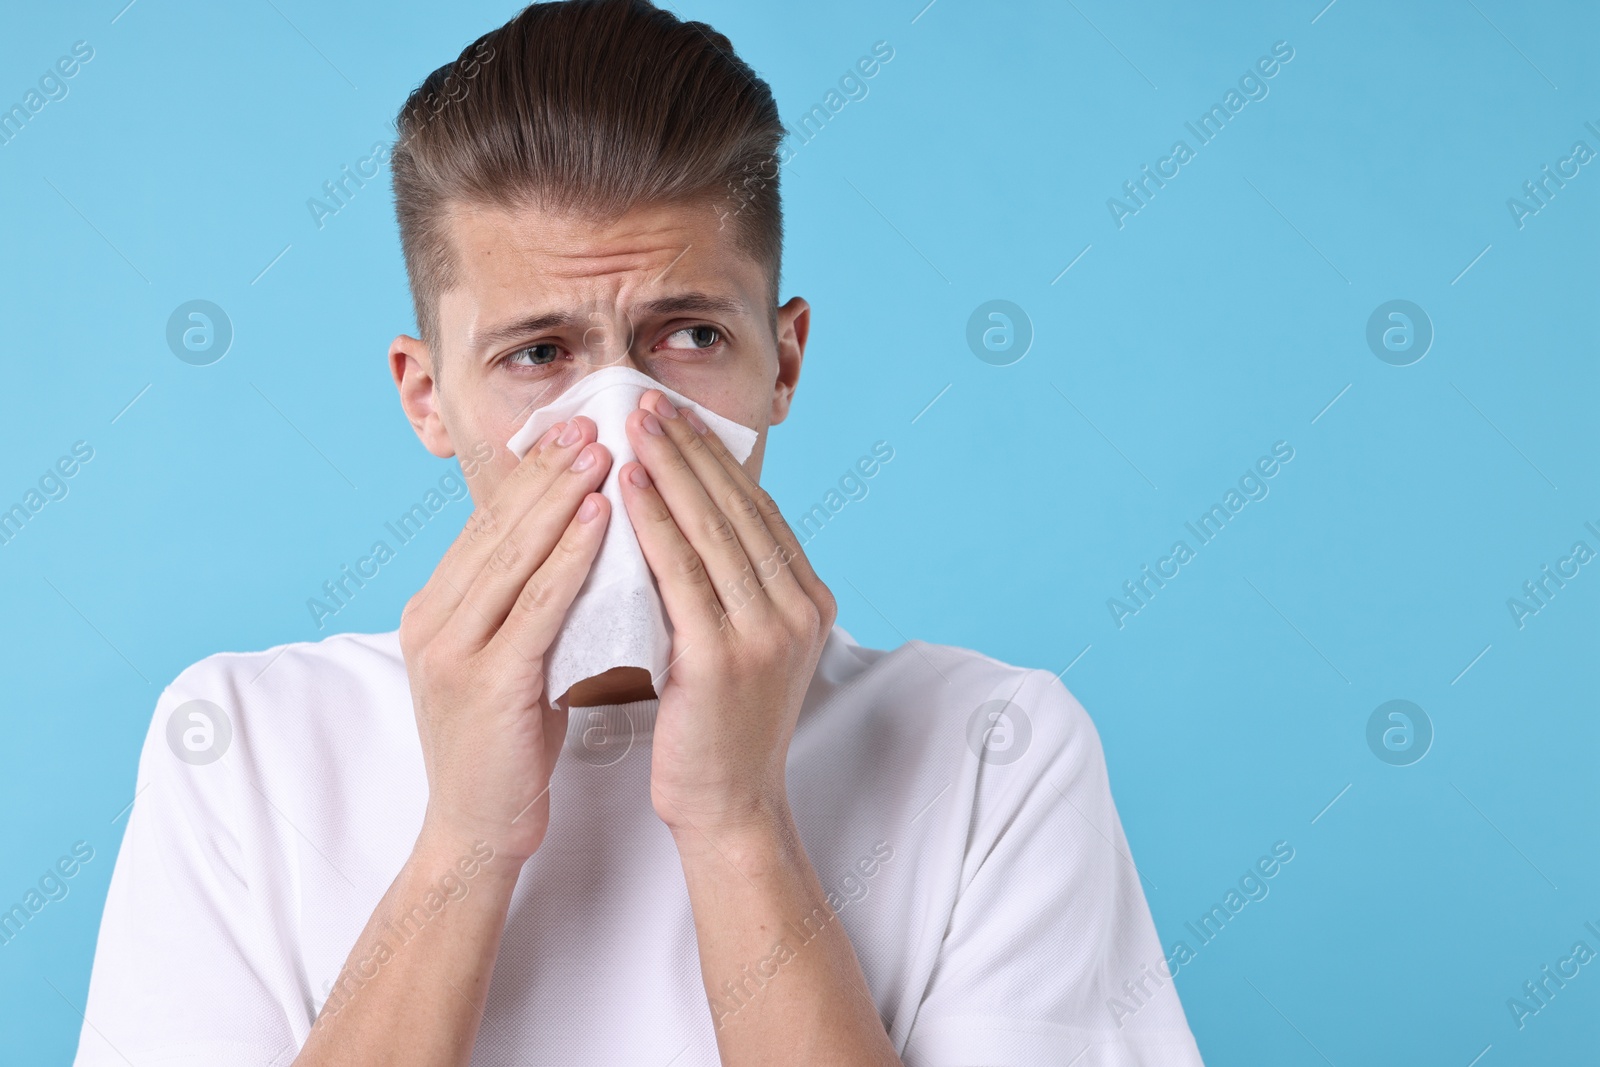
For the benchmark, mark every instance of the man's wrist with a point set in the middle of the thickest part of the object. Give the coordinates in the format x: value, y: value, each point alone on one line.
x: 440, y: 851
x: 763, y: 837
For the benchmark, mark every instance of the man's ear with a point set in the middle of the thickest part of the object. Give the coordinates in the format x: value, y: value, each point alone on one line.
x: 411, y: 363
x: 794, y: 325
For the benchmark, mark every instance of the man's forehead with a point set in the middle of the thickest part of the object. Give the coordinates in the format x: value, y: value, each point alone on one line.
x: 569, y: 245
x: 529, y: 268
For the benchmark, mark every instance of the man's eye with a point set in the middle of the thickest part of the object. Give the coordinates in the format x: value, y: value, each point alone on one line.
x: 694, y: 337
x: 536, y: 355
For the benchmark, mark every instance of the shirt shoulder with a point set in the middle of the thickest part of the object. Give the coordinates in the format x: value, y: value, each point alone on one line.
x: 928, y: 690
x: 301, y: 679
x: 306, y: 711
x: 928, y: 735
x: 350, y: 655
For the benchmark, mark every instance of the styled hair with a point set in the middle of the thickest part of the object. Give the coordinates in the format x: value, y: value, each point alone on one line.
x: 588, y: 107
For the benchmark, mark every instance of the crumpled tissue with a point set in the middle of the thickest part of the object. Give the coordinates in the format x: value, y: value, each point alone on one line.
x: 618, y: 619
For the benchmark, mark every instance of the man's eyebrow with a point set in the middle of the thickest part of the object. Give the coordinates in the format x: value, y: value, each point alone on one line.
x: 682, y: 304
x: 496, y: 336
x: 693, y: 303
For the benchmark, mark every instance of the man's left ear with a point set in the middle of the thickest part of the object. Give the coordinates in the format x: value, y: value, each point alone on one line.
x: 411, y: 363
x: 794, y: 324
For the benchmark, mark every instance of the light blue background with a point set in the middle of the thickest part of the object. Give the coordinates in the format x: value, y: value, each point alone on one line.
x: 1224, y: 316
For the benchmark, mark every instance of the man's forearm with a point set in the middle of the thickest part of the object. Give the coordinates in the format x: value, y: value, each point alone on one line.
x: 781, y: 976
x: 412, y: 990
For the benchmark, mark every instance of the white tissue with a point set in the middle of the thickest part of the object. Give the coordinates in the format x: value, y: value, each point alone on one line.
x: 617, y: 619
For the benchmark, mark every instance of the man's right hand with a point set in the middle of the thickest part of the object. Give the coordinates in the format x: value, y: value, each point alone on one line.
x: 475, y: 636
x: 474, y: 640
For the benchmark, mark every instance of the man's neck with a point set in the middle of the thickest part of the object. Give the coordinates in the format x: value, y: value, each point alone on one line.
x: 619, y: 685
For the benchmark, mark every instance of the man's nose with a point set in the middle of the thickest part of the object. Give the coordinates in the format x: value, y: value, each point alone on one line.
x: 608, y: 341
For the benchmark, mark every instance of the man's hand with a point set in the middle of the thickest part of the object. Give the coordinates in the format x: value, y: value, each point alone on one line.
x: 475, y: 637
x: 749, y: 619
x: 474, y: 640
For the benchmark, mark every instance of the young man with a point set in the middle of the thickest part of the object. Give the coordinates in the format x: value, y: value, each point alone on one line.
x: 395, y: 849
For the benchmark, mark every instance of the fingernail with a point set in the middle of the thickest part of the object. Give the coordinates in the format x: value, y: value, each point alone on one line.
x: 638, y: 476
x: 588, y: 510
x: 694, y: 420
x: 664, y: 406
x: 584, y: 460
x: 653, y: 424
x: 550, y: 435
x: 570, y: 435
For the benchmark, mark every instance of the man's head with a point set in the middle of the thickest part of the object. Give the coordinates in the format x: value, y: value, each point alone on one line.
x: 593, y: 183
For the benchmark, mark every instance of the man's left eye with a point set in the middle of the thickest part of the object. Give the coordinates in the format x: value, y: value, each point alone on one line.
x: 694, y: 337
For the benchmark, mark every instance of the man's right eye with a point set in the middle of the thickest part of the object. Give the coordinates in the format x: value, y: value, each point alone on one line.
x: 535, y: 355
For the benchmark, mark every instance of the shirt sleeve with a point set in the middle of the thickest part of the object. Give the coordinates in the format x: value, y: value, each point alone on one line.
x: 178, y: 977
x: 1050, y: 920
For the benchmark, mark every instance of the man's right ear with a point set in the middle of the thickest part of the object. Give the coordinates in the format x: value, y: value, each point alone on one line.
x: 411, y: 363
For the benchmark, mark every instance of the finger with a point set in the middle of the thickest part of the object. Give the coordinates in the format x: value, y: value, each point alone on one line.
x: 706, y: 527
x: 541, y: 603
x: 691, y: 601
x: 489, y: 524
x: 505, y: 573
x: 769, y: 558
x: 794, y: 555
x: 791, y: 554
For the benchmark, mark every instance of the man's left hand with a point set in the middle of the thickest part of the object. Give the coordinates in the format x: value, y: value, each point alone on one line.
x: 749, y: 618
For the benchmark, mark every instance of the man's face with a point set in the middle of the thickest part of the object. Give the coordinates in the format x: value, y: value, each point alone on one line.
x: 544, y: 299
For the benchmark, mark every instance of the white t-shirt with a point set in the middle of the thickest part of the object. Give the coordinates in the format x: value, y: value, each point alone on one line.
x: 970, y: 848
